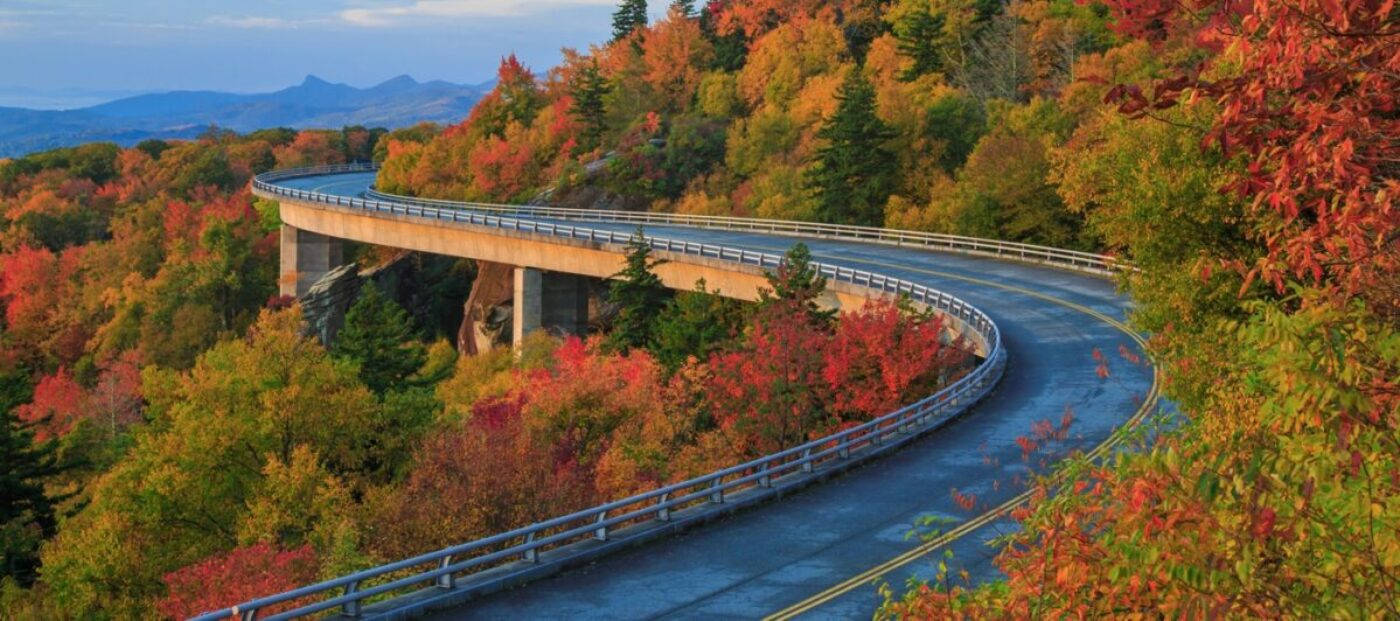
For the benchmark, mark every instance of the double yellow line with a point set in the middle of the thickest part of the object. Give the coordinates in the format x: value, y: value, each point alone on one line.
x: 1148, y: 404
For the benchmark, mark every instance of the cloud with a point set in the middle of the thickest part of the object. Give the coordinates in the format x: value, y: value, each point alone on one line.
x: 271, y: 23
x: 447, y: 9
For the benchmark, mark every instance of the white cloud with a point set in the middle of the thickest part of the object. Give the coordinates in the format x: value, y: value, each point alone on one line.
x: 384, y: 16
x: 251, y: 22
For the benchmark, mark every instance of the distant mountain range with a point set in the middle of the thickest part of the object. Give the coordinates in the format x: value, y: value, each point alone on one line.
x: 315, y: 103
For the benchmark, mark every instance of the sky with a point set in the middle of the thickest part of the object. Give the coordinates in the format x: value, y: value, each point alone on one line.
x: 55, y: 51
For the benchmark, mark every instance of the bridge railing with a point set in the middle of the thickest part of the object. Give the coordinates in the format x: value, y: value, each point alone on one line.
x: 758, y: 478
x: 1098, y: 264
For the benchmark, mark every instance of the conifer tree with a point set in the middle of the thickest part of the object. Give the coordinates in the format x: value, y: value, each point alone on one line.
x: 797, y: 282
x: 639, y: 296
x: 630, y: 15
x: 589, y: 91
x: 685, y: 7
x: 26, y: 511
x: 854, y: 174
x: 918, y: 35
x: 695, y: 323
x: 380, y: 336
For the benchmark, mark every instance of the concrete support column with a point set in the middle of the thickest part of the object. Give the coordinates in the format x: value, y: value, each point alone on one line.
x: 548, y: 300
x: 528, y: 304
x: 306, y: 257
x: 565, y: 303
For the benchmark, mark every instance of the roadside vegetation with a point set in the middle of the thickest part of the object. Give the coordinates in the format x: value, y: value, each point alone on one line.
x: 169, y: 425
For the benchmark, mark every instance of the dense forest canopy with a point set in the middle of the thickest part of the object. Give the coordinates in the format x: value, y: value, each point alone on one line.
x: 169, y: 425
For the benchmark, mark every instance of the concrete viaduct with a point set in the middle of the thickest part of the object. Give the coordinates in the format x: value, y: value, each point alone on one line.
x: 804, y: 532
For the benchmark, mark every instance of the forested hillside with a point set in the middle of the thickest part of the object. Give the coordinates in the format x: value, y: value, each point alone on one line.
x: 1242, y: 154
x: 939, y: 116
x: 174, y: 442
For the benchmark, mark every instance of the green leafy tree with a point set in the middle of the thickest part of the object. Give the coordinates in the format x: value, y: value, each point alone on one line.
x: 639, y: 296
x: 381, y: 338
x: 854, y: 174
x: 695, y: 323
x: 919, y: 37
x: 589, y: 92
x: 183, y: 490
x: 959, y: 121
x: 630, y: 15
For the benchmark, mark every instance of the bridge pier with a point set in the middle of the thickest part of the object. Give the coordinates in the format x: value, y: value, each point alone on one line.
x: 306, y: 257
x: 548, y: 300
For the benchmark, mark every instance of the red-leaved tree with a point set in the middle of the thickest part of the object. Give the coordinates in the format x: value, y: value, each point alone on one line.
x: 238, y: 575
x: 880, y: 359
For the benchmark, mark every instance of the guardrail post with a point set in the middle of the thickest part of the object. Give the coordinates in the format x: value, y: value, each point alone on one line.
x: 601, y: 533
x: 845, y: 449
x: 352, y: 607
x: 663, y: 510
x: 807, y: 460
x: 765, y: 479
x: 717, y: 492
x: 446, y: 581
x: 532, y: 553
x: 245, y: 615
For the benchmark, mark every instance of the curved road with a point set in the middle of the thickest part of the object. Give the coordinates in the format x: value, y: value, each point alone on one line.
x: 765, y: 560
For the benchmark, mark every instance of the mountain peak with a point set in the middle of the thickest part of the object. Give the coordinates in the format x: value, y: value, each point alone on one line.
x: 312, y: 80
x: 400, y: 80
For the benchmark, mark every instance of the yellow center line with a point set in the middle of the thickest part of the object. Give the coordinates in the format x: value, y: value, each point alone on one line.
x: 1148, y: 403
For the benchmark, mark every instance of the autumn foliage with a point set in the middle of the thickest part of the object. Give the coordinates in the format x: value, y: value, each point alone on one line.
x: 237, y: 576
x: 1264, y: 131
x: 1241, y: 154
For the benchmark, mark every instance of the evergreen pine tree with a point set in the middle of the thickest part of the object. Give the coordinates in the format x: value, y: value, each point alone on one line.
x: 26, y: 511
x: 854, y: 173
x: 731, y: 50
x: 798, y: 282
x: 639, y: 296
x: 695, y: 323
x: 685, y: 7
x: 918, y: 35
x: 589, y: 91
x: 630, y: 15
x: 380, y: 336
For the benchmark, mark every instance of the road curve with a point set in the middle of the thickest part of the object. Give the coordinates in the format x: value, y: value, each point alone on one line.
x: 766, y: 559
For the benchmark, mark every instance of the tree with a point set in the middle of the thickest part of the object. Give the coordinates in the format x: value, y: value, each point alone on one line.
x: 630, y: 15
x: 639, y: 296
x: 482, y: 476
x: 26, y: 510
x: 854, y: 174
x: 797, y: 282
x: 883, y: 356
x: 919, y: 34
x: 685, y: 8
x: 179, y: 493
x: 675, y: 54
x: 589, y: 90
x: 768, y: 393
x: 236, y: 576
x: 695, y: 324
x: 381, y: 339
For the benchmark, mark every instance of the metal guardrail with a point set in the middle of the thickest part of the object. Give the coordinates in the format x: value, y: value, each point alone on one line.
x: 1097, y: 264
x: 754, y: 479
